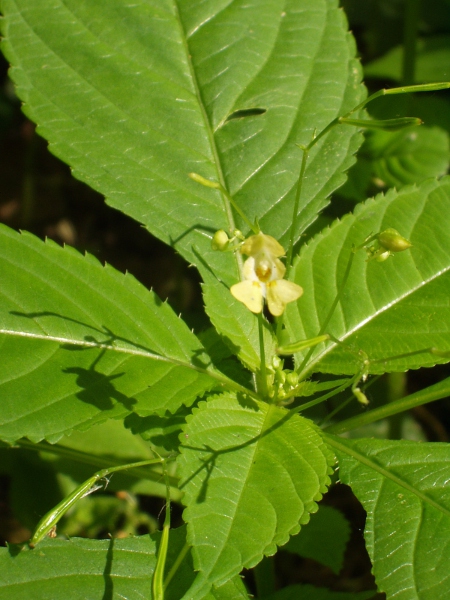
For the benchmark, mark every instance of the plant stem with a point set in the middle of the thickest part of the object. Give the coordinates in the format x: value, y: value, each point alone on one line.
x: 434, y: 392
x: 412, y: 11
x: 332, y: 308
x: 295, y: 211
x: 262, y: 352
x: 264, y: 574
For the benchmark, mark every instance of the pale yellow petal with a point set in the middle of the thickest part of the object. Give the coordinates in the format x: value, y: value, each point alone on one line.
x: 249, y: 293
x: 280, y: 293
x: 248, y: 270
x: 261, y: 242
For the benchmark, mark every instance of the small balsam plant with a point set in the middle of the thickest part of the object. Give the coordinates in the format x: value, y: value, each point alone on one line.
x: 195, y: 120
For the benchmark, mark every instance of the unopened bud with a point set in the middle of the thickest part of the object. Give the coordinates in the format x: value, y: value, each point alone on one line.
x: 220, y: 240
x: 391, y: 240
x: 292, y: 378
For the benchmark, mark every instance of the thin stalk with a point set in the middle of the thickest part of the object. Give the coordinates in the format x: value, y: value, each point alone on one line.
x: 411, y: 22
x: 321, y: 399
x: 332, y: 308
x: 264, y: 574
x: 176, y: 565
x: 295, y: 211
x: 434, y: 392
x: 262, y: 353
x: 158, y: 585
x: 240, y: 212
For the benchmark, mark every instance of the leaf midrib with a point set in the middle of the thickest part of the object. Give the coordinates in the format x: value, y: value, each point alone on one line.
x: 222, y: 379
x: 335, y: 443
x: 373, y: 316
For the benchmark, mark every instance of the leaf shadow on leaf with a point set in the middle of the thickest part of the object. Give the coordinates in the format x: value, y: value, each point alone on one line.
x: 210, y: 461
x: 109, y: 585
x: 109, y: 343
x: 195, y: 227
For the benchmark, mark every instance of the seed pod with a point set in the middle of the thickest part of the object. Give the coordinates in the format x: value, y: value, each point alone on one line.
x: 391, y: 240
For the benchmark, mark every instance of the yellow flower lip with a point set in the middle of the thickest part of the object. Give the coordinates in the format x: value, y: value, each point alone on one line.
x: 263, y: 275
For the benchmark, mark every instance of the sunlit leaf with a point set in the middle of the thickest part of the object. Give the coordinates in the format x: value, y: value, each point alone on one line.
x: 388, y: 308
x: 251, y: 473
x: 404, y: 488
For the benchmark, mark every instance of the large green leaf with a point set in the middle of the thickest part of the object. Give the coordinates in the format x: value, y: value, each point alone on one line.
x: 87, y: 569
x: 388, y: 308
x: 134, y: 96
x: 251, y: 473
x: 82, y: 342
x: 404, y: 488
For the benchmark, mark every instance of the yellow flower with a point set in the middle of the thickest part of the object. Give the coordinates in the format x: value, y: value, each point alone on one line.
x: 263, y: 277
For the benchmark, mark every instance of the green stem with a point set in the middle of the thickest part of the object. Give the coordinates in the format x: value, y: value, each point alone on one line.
x: 176, y: 565
x: 295, y: 211
x: 264, y: 574
x: 412, y: 12
x: 396, y: 384
x: 434, y: 392
x: 262, y: 351
x: 240, y: 212
x: 321, y: 399
x: 158, y: 584
x: 332, y: 308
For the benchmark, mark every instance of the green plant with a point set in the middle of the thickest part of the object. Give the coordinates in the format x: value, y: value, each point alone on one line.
x: 134, y: 97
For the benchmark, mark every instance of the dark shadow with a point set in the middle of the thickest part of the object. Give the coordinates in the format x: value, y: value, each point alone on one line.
x: 246, y: 112
x: 15, y: 549
x: 98, y: 390
x: 164, y: 431
x: 109, y: 584
x: 196, y: 227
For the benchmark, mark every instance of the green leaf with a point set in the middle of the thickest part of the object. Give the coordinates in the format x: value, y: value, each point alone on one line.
x: 86, y: 569
x: 90, y: 342
x: 251, y: 473
x: 433, y: 57
x: 324, y: 539
x: 144, y: 95
x: 404, y: 488
x: 309, y: 592
x: 386, y: 309
x: 408, y: 156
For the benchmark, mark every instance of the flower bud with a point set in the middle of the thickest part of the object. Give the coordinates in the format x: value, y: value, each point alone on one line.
x: 220, y: 240
x: 292, y: 378
x: 391, y: 240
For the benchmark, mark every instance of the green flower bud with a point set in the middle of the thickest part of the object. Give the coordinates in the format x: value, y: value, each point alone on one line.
x: 391, y: 240
x: 292, y: 378
x: 220, y: 240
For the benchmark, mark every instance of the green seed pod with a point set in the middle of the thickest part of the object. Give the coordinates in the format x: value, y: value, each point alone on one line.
x: 220, y: 240
x: 391, y: 240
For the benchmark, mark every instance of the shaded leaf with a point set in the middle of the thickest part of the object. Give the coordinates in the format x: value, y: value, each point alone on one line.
x: 295, y: 592
x: 408, y: 156
x: 323, y: 539
x: 433, y: 58
x: 251, y: 473
x: 404, y: 488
